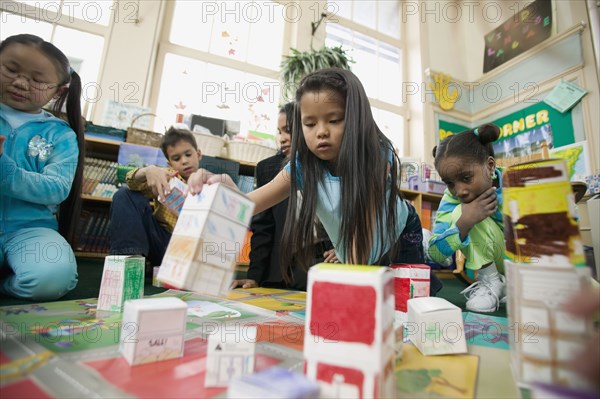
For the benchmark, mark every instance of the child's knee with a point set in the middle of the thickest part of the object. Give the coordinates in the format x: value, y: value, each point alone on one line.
x: 47, y: 283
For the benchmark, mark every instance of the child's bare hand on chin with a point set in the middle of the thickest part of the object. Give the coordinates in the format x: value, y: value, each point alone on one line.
x: 481, y: 207
x: 198, y: 179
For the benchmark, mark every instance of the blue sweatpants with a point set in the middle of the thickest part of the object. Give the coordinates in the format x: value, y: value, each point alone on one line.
x: 37, y: 264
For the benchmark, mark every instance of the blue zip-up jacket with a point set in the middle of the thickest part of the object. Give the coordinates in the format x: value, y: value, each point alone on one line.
x: 32, y: 185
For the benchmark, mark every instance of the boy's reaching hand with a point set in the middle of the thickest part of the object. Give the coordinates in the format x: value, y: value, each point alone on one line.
x: 2, y: 138
x: 157, y: 180
x: 198, y: 179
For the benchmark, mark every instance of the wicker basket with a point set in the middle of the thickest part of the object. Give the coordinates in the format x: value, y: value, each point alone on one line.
x: 209, y: 144
x: 246, y: 151
x: 141, y: 136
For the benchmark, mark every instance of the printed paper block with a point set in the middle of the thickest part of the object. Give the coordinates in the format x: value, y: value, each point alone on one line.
x: 275, y: 382
x: 230, y: 354
x: 153, y: 330
x: 349, y: 336
x: 435, y: 326
x: 410, y: 281
x: 175, y: 198
x: 122, y: 279
x: 544, y: 336
x: 208, y: 236
x: 540, y: 224
x: 224, y: 201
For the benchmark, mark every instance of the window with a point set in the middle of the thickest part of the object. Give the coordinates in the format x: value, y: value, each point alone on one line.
x: 218, y: 92
x: 370, y: 33
x: 78, y: 29
x: 213, y: 63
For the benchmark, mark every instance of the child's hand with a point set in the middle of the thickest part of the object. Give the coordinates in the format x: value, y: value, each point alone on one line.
x: 158, y: 180
x: 477, y: 210
x: 330, y: 256
x: 198, y: 179
x: 247, y: 283
x: 2, y: 139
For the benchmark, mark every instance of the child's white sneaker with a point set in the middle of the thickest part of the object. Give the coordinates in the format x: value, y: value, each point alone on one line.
x: 485, y: 294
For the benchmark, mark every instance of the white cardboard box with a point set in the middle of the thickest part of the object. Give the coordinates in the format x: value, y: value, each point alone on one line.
x: 208, y: 236
x: 153, y: 330
x: 349, y: 336
x: 122, y: 279
x: 435, y: 326
x: 544, y: 336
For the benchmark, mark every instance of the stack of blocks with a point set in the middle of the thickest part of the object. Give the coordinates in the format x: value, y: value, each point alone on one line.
x: 349, y: 335
x: 122, y: 279
x: 153, y: 330
x: 545, y: 266
x: 206, y: 240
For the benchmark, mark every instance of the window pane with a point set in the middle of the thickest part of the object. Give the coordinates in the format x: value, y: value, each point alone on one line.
x: 364, y: 13
x: 389, y: 72
x: 86, y: 49
x: 230, y: 32
x: 219, y: 92
x: 265, y: 45
x: 383, y: 82
x: 94, y: 11
x: 388, y: 22
x: 181, y: 83
x: 341, y: 8
x: 13, y: 24
x: 392, y: 125
x: 191, y: 26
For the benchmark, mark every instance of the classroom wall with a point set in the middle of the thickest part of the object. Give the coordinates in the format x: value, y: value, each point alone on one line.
x: 452, y: 42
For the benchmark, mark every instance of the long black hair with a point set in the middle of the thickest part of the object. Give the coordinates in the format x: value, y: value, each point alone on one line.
x: 69, y: 211
x: 364, y: 168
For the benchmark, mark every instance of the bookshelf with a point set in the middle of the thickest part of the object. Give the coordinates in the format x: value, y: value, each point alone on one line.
x: 425, y: 204
x: 102, y: 155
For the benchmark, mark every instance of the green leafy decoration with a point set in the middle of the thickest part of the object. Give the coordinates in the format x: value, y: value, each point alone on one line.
x: 300, y: 63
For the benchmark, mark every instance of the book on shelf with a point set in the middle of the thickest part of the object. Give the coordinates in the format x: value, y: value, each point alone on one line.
x: 426, y: 215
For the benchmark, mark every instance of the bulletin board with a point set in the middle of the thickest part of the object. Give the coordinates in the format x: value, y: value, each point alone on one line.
x: 522, y: 31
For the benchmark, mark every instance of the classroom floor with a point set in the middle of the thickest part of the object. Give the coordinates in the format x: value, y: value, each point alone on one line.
x: 90, y: 274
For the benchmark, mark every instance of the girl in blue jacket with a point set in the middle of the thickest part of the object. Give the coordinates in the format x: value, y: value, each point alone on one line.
x: 41, y: 165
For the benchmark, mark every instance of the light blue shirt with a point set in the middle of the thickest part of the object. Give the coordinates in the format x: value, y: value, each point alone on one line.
x: 329, y: 212
x: 37, y: 168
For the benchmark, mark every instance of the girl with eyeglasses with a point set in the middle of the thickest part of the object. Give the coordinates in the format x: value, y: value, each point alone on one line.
x: 41, y: 169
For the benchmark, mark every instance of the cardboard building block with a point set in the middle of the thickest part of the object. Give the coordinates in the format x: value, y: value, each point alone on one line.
x: 122, y: 279
x: 175, y: 199
x: 230, y: 354
x: 153, y: 330
x: 410, y: 281
x: 435, y: 326
x: 544, y: 336
x: 208, y: 236
x: 349, y: 336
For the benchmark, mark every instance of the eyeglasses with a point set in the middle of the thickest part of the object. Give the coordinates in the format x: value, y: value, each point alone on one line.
x: 9, y: 74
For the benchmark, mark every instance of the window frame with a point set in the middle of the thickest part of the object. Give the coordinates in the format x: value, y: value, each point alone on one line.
x: 64, y: 20
x: 166, y: 47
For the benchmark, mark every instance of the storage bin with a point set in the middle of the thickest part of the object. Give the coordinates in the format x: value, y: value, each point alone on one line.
x: 209, y: 144
x: 141, y: 136
x: 246, y: 151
